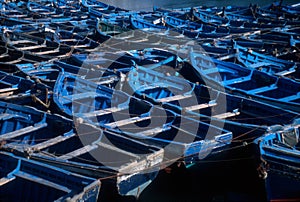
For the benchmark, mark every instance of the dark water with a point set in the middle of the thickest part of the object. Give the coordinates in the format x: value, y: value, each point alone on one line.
x: 148, y: 4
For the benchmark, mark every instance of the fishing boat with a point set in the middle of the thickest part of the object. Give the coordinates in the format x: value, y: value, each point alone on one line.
x: 163, y: 86
x: 50, y: 183
x: 44, y: 73
x: 262, y: 62
x: 20, y: 90
x: 47, y: 73
x: 35, y: 45
x: 76, y: 41
x: 134, y: 118
x: 247, y: 119
x: 107, y: 30
x: 71, y: 91
x: 278, y: 162
x: 140, y: 23
x: 129, y: 166
x: 209, y: 18
x: 246, y: 82
x: 10, y: 57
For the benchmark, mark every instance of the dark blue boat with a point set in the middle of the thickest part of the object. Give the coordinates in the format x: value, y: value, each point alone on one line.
x: 20, y: 90
x: 161, y: 87
x: 279, y: 163
x: 262, y: 62
x: 35, y: 45
x: 261, y: 86
x: 131, y: 117
x: 126, y: 165
x: 49, y: 183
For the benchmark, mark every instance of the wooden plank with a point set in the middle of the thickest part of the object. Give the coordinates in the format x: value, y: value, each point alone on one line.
x: 51, y: 142
x: 22, y: 131
x: 78, y: 152
x: 285, y: 72
x: 22, y: 41
x: 47, y: 52
x: 5, y: 180
x: 69, y: 98
x: 103, y: 112
x: 226, y: 57
x: 32, y: 47
x: 151, y: 131
x: 14, y: 61
x: 7, y: 91
x: 200, y: 106
x: 174, y: 98
x: 211, y: 70
x: 226, y: 115
x: 113, y: 148
x: 6, y: 116
x: 68, y: 40
x: 127, y: 121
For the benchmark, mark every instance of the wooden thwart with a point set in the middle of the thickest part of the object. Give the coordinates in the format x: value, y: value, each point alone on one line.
x: 151, y: 131
x: 78, y: 152
x: 7, y: 91
x: 103, y: 112
x: 174, y: 98
x: 127, y: 121
x: 32, y: 47
x: 5, y: 180
x: 51, y: 142
x: 22, y: 131
x: 226, y: 115
x: 200, y: 106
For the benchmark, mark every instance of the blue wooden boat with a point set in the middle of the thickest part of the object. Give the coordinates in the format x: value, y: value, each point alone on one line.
x: 207, y: 17
x: 268, y: 47
x: 19, y: 90
x: 108, y: 30
x: 76, y: 41
x: 35, y: 45
x: 125, y: 167
x: 91, y: 3
x: 34, y: 17
x: 245, y: 118
x: 131, y: 117
x: 202, y: 29
x: 82, y: 27
x: 56, y: 36
x: 246, y: 82
x: 159, y: 86
x: 49, y: 183
x: 262, y: 62
x: 278, y: 162
x: 128, y: 166
x: 49, y: 14
x: 45, y: 73
x: 139, y: 23
x: 10, y: 57
x: 195, y: 30
x: 277, y: 15
x: 72, y: 94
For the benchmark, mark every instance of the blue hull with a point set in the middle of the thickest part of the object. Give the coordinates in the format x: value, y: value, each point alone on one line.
x: 20, y: 176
